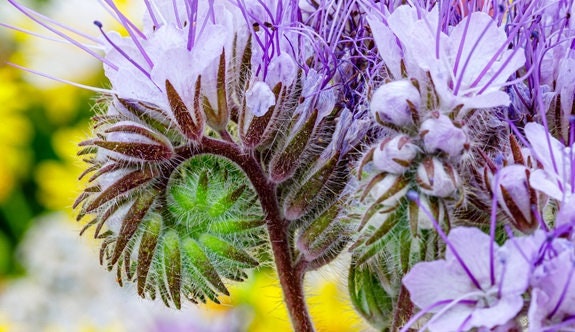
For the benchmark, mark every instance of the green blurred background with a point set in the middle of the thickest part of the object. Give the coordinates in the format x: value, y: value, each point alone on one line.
x: 50, y: 279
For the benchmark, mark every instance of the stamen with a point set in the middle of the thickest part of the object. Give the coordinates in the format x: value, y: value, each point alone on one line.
x: 492, y: 227
x: 53, y: 78
x: 100, y: 26
x: 571, y: 163
x: 467, y: 61
x: 465, y: 321
x: 413, y: 196
x: 422, y: 313
x: 28, y: 12
x: 130, y: 27
x: 35, y: 16
x: 151, y: 12
x: 177, y: 14
x: 35, y: 34
x: 193, y: 23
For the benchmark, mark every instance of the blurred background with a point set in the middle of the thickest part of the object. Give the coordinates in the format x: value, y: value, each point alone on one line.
x: 50, y: 278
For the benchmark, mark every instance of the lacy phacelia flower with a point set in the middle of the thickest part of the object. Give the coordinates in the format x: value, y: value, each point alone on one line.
x: 215, y: 108
x: 471, y: 287
x: 552, y: 305
x: 468, y: 64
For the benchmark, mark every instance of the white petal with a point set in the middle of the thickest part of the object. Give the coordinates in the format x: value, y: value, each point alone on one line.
x: 387, y: 46
x: 259, y: 98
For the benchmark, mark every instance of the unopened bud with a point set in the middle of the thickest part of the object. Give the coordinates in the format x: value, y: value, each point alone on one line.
x: 436, y: 178
x: 395, y: 155
x: 439, y: 133
x: 391, y: 102
x: 515, y: 196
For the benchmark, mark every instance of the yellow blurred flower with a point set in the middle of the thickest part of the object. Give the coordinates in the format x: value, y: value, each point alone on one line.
x: 15, y: 131
x: 58, y: 180
x: 329, y: 304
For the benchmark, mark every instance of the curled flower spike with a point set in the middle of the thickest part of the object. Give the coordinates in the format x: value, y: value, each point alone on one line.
x: 213, y: 150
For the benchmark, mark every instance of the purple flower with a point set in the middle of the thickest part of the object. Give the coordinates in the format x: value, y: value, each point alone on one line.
x: 552, y: 305
x: 556, y: 179
x: 472, y: 286
x: 468, y: 63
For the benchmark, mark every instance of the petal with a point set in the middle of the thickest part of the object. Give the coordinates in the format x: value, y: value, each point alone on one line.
x: 499, y: 314
x: 431, y: 282
x: 541, y: 140
x: 472, y: 245
x: 387, y: 45
x: 539, y: 180
x: 479, y: 40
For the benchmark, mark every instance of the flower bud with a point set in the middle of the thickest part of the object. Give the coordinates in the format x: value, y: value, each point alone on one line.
x: 515, y: 196
x: 394, y: 155
x: 436, y: 178
x: 439, y: 133
x: 391, y: 102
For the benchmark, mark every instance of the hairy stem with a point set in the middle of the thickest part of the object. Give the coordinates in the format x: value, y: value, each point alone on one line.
x: 290, y: 276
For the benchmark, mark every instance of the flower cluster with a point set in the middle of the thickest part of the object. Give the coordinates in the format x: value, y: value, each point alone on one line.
x: 402, y: 131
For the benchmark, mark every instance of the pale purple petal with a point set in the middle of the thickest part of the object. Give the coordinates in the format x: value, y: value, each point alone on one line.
x: 259, y: 98
x: 431, y: 282
x: 504, y: 310
x: 387, y: 45
x: 472, y: 246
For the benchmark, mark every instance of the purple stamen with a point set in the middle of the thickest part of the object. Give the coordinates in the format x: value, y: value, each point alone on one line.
x: 26, y: 11
x: 207, y: 18
x: 460, y: 79
x: 57, y: 40
x: 129, y: 27
x: 177, y: 14
x: 412, y: 195
x: 571, y: 155
x: 493, y: 218
x: 510, y: 37
x: 82, y: 86
x: 30, y: 13
x: 127, y: 23
x: 193, y: 23
x: 151, y: 12
x: 100, y: 26
x: 465, y: 321
x: 535, y: 212
x: 422, y: 313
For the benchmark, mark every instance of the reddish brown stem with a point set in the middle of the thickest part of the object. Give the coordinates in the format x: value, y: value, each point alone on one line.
x: 290, y: 277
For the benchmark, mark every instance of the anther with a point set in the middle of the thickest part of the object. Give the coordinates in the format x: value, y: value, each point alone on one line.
x: 100, y: 26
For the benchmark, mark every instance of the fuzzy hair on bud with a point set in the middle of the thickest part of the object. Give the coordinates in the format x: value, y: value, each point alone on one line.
x: 393, y: 102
